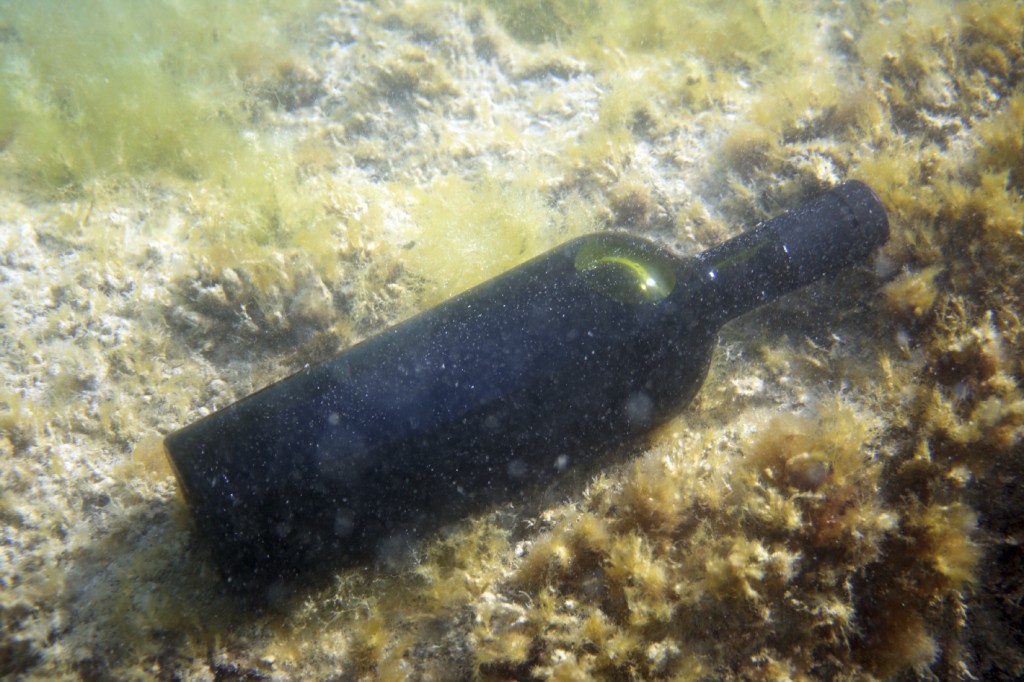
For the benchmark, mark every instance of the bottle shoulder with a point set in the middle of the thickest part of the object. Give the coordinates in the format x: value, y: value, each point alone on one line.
x: 626, y: 268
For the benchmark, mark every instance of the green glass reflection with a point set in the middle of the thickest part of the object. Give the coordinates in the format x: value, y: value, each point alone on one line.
x: 625, y: 270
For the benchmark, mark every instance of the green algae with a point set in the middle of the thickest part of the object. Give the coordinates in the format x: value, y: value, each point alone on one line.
x: 101, y: 88
x: 100, y: 94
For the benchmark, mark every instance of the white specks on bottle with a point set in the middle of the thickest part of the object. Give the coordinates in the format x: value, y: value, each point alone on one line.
x: 344, y: 523
x: 516, y: 469
x: 639, y: 409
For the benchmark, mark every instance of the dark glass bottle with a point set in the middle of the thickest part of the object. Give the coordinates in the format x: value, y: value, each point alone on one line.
x: 491, y: 392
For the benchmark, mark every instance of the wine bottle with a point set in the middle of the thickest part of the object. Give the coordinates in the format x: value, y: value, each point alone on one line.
x: 490, y: 393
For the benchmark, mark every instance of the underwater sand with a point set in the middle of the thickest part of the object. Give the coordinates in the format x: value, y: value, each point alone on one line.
x: 197, y: 200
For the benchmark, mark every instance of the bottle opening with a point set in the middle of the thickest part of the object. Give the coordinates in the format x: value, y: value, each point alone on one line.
x: 625, y: 270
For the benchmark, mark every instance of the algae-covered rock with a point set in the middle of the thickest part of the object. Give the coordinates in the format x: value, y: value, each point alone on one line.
x: 198, y: 201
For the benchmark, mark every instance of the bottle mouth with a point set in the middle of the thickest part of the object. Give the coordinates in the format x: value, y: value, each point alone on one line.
x: 868, y: 211
x: 625, y: 270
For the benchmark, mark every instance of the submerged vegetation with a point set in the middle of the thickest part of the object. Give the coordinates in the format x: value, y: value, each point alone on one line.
x: 103, y: 89
x: 200, y: 200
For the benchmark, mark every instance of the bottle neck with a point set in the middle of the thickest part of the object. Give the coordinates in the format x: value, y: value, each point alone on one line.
x: 837, y: 229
